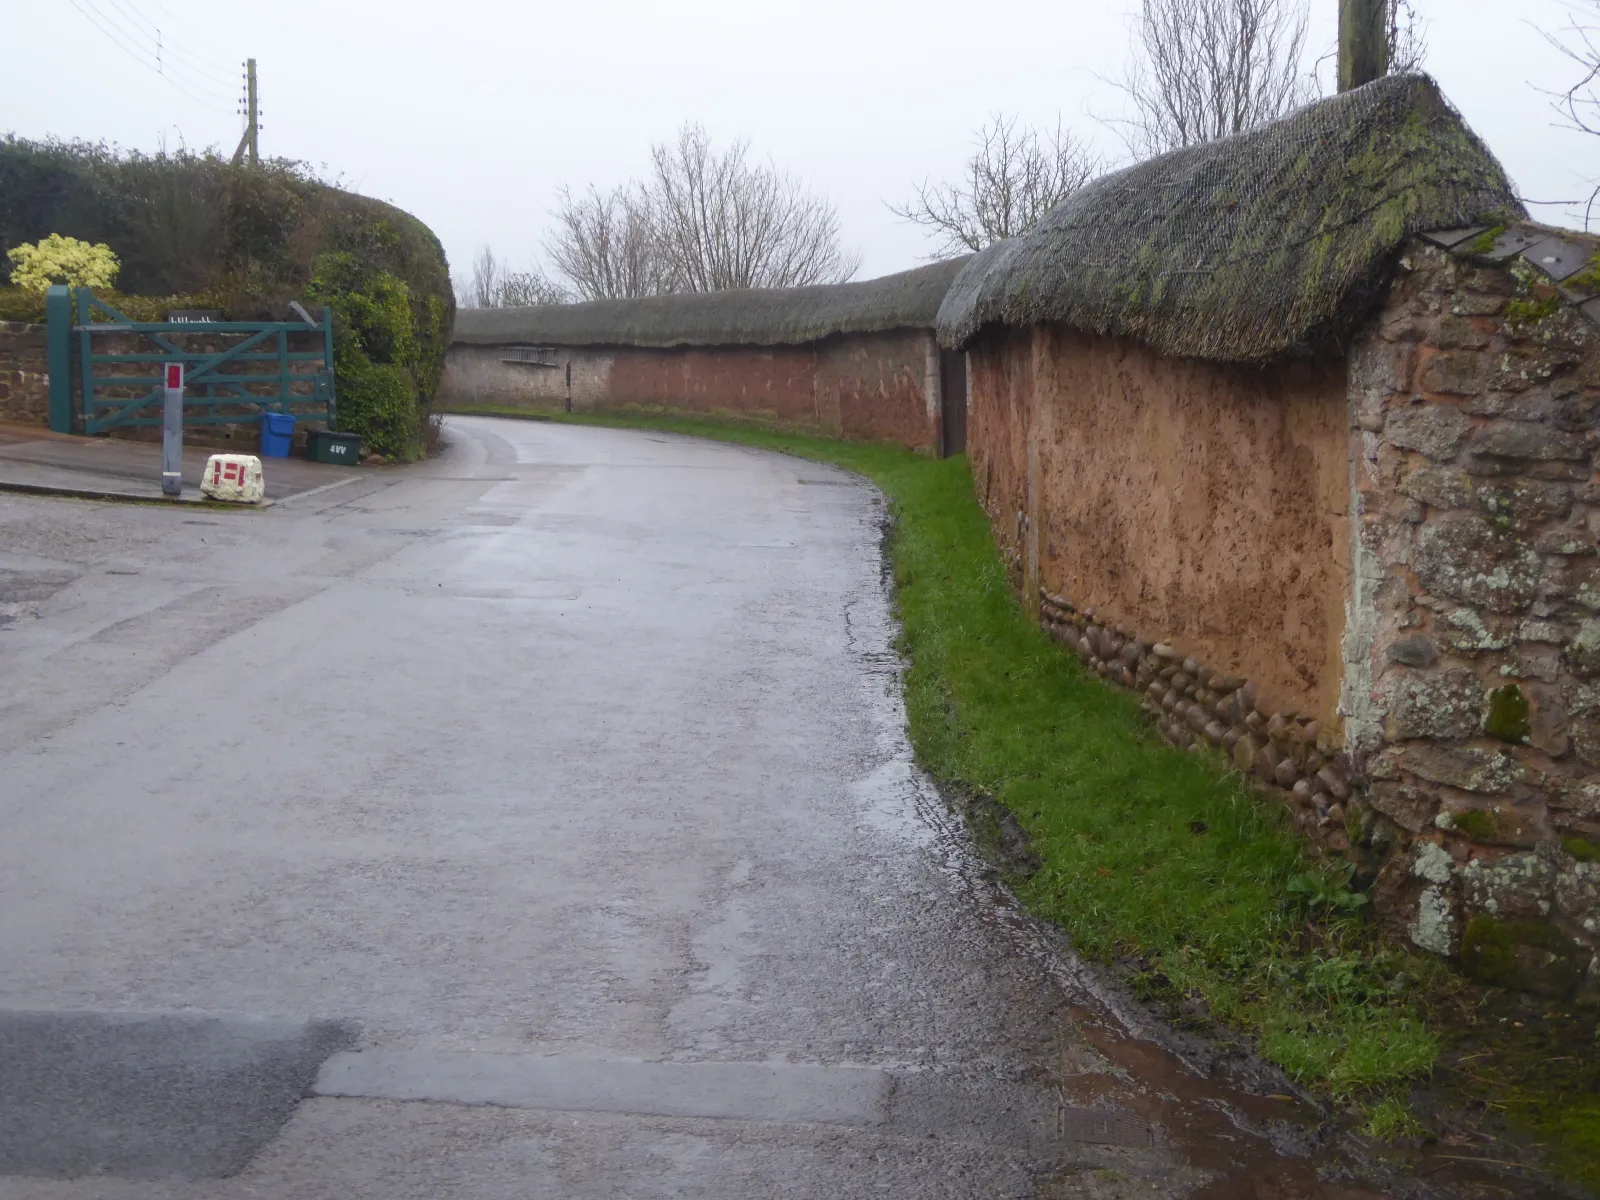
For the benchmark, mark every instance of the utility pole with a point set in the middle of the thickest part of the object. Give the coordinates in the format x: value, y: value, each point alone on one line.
x: 251, y: 141
x: 1363, y: 42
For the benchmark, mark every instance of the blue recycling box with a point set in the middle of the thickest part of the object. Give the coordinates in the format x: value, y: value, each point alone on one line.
x: 277, y: 431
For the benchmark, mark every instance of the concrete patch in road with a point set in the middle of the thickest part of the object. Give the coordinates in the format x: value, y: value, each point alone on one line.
x: 908, y: 1104
x: 742, y: 1091
x: 150, y: 1096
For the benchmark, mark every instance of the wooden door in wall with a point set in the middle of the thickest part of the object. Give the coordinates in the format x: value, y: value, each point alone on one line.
x: 952, y: 402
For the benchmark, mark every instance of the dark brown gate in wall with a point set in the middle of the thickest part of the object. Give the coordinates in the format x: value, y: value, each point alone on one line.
x: 952, y: 402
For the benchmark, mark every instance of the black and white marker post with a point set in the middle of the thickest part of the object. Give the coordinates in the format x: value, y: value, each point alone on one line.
x: 172, y: 432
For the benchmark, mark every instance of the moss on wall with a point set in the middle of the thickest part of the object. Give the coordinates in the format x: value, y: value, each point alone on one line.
x: 1508, y: 717
x: 1525, y: 956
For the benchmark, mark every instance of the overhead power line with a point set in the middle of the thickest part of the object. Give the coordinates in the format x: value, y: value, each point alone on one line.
x: 146, y: 51
x: 149, y: 44
x: 171, y: 48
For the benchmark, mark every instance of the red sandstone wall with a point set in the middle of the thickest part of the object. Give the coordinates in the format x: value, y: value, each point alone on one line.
x: 24, y: 374
x: 873, y: 387
x: 770, y: 382
x: 1197, y: 505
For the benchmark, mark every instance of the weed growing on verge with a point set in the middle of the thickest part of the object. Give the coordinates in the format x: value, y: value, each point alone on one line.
x: 1391, y: 1120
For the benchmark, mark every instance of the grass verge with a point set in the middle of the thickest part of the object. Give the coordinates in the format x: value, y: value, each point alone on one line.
x: 1159, y: 862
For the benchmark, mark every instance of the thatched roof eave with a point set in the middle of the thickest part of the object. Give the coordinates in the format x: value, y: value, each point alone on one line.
x: 758, y: 317
x: 1248, y: 249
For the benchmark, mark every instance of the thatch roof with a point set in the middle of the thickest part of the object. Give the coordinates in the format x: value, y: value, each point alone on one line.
x: 760, y: 317
x: 1257, y: 247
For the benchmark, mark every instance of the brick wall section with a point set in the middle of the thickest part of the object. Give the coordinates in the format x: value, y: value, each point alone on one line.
x: 1473, y: 668
x: 868, y: 386
x: 24, y: 374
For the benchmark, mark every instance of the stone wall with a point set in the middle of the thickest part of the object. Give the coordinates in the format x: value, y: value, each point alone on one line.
x: 874, y: 387
x: 1371, y: 582
x: 1472, y: 688
x: 24, y: 374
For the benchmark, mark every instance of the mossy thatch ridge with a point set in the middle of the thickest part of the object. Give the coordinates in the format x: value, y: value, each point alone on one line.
x: 1257, y: 247
x: 759, y: 317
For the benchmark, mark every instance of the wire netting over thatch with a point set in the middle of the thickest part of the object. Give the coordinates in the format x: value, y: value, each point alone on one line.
x: 1252, y: 248
x: 759, y: 317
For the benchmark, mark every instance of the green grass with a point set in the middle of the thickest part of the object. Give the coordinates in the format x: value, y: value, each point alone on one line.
x: 1271, y: 945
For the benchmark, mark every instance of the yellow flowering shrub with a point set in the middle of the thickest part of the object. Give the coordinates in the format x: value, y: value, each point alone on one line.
x: 58, y: 259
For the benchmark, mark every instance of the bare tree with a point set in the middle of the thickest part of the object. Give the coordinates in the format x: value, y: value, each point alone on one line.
x: 605, y: 244
x: 522, y: 289
x: 1012, y: 179
x: 1206, y: 69
x: 1579, y: 105
x: 724, y: 222
x: 702, y: 221
x: 493, y: 286
x: 1407, y: 42
x: 485, y: 283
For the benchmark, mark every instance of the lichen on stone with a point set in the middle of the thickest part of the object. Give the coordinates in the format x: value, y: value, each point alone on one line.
x: 1470, y: 768
x: 1472, y: 558
x: 1435, y: 927
x: 1516, y: 886
x: 1433, y: 863
x: 1423, y: 704
x: 1577, y: 894
x: 1583, y: 652
x: 1471, y: 634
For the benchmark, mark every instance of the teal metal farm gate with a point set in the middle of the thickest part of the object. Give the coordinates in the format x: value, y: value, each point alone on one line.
x: 233, y: 370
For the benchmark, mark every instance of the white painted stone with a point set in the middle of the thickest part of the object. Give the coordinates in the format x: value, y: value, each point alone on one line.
x: 235, y: 477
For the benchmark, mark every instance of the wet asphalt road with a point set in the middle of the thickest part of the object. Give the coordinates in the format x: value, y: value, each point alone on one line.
x: 542, y: 815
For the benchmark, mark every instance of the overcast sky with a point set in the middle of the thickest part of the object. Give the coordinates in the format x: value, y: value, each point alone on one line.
x: 470, y: 114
